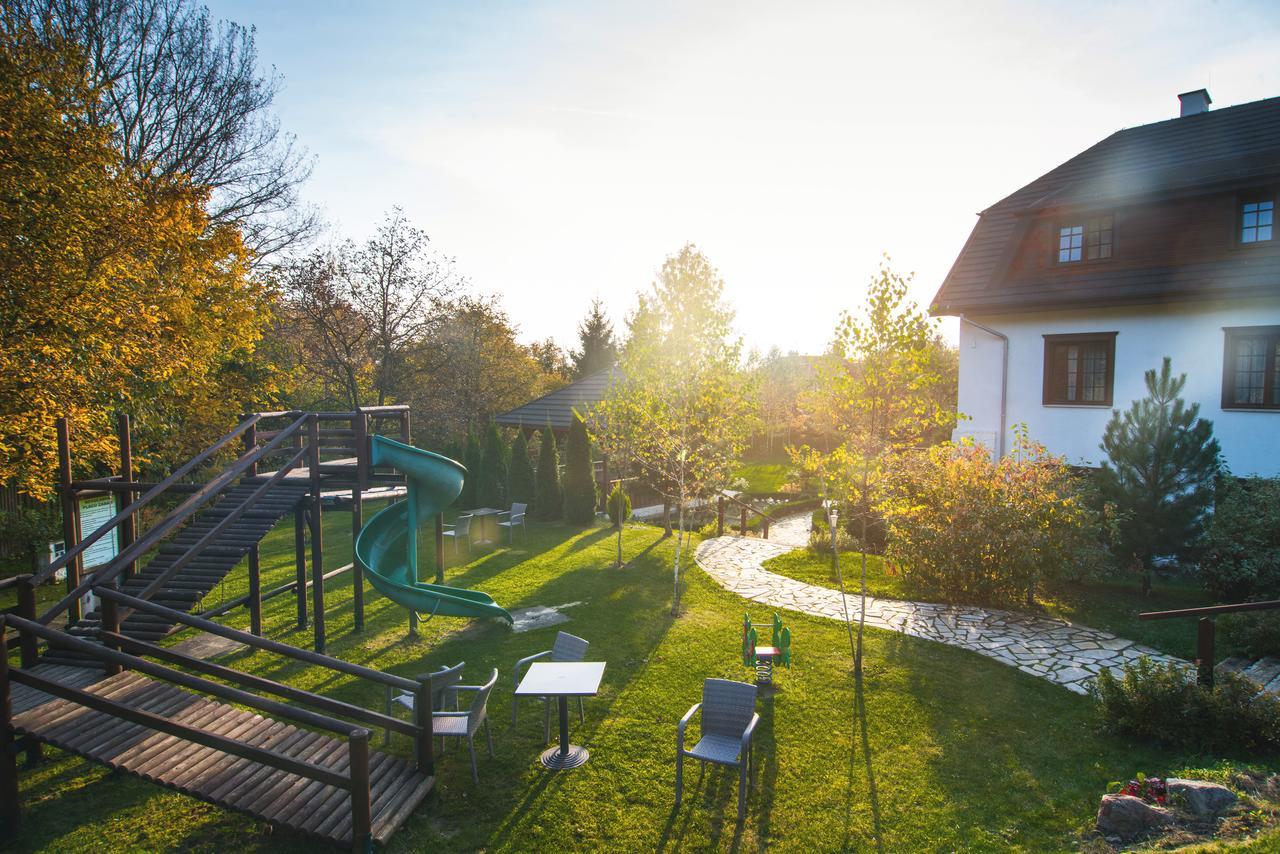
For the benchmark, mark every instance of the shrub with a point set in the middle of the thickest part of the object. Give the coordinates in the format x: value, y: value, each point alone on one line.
x: 1163, y: 703
x: 965, y: 528
x: 520, y: 478
x: 491, y: 488
x: 579, y: 479
x: 548, y: 501
x: 1241, y: 559
x: 619, y: 505
x: 471, y: 460
x: 1253, y: 633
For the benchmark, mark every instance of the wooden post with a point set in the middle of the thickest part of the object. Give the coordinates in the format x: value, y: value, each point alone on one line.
x: 317, y: 535
x: 764, y: 525
x: 27, y: 610
x: 423, y: 747
x: 742, y: 529
x: 110, y: 623
x: 300, y: 563
x: 8, y: 760
x: 439, y: 548
x: 406, y: 428
x: 70, y: 516
x: 361, y: 808
x: 128, y: 528
x: 666, y: 517
x: 720, y: 516
x: 604, y: 483
x: 255, y: 591
x: 1204, y: 651
x: 360, y: 421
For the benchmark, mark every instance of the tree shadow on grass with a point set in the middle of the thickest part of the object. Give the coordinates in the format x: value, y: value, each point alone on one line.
x: 868, y: 769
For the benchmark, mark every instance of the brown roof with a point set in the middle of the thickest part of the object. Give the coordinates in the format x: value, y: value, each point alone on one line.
x: 1216, y: 151
x: 556, y: 409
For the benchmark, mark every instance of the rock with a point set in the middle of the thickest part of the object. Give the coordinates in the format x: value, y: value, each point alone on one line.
x: 1126, y: 816
x: 1201, y: 797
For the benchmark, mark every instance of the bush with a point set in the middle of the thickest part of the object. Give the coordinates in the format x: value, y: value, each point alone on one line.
x: 1241, y: 559
x: 965, y: 528
x: 619, y: 505
x: 471, y: 459
x: 520, y: 478
x: 491, y: 488
x: 548, y: 501
x: 579, y: 479
x: 1253, y: 633
x: 1164, y: 703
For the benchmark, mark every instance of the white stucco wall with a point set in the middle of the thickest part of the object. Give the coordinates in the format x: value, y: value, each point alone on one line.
x: 1190, y: 333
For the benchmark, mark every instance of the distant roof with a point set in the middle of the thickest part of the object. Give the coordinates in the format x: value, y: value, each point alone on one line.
x: 557, y: 407
x: 1216, y: 150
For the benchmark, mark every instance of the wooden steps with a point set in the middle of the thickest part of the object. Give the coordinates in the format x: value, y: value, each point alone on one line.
x: 1265, y: 672
x: 202, y: 574
x: 279, y: 797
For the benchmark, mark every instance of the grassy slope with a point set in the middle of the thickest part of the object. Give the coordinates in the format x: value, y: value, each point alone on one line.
x: 764, y: 477
x: 945, y: 750
x: 1111, y: 605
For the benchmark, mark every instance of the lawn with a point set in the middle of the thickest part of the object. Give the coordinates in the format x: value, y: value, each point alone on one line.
x: 942, y: 750
x: 1112, y: 605
x: 764, y: 477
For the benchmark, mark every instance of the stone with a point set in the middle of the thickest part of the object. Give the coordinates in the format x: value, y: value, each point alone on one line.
x: 1202, y: 797
x: 1128, y: 817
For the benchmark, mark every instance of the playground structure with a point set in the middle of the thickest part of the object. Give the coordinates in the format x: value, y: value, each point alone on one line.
x: 90, y: 678
x: 764, y: 658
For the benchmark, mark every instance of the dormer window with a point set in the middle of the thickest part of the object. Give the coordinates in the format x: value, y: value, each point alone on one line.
x: 1091, y: 240
x: 1256, y: 221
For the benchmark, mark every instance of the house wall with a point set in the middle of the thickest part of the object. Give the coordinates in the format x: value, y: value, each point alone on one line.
x: 1190, y: 333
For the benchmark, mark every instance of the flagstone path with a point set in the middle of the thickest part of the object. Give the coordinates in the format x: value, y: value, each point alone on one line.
x: 1052, y: 649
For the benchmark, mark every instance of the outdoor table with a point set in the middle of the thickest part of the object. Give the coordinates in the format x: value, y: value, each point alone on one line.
x: 562, y: 680
x: 485, y: 520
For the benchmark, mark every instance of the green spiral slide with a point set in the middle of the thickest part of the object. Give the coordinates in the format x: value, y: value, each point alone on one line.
x: 387, y: 547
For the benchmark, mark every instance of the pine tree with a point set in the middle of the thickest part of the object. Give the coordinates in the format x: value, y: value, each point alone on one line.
x: 597, y: 348
x: 1162, y: 461
x: 548, y: 503
x: 491, y: 488
x: 470, y: 459
x: 520, y: 474
x: 579, y: 481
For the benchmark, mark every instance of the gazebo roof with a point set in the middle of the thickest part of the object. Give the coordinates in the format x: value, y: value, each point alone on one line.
x: 556, y: 409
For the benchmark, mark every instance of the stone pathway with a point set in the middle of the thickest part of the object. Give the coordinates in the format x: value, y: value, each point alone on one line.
x: 792, y: 531
x: 1061, y: 652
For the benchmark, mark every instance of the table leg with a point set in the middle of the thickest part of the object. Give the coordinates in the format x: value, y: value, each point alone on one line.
x: 564, y: 729
x: 564, y: 756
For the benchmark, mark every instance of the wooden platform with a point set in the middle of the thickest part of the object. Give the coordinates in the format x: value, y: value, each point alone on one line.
x: 278, y: 797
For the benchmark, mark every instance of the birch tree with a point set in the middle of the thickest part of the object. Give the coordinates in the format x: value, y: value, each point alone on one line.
x: 681, y: 410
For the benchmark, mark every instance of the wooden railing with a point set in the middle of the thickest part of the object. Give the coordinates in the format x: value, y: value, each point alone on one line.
x: 1205, y: 629
x: 746, y: 509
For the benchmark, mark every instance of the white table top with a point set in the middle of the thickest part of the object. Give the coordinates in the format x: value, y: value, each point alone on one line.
x: 561, y: 679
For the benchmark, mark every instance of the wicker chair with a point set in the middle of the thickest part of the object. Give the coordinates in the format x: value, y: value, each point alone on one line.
x: 728, y: 721
x: 566, y: 648
x: 460, y: 725
x: 515, y: 519
x: 444, y: 695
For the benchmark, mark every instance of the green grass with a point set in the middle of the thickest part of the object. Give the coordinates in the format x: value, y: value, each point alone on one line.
x: 1112, y: 605
x: 943, y: 750
x: 764, y: 477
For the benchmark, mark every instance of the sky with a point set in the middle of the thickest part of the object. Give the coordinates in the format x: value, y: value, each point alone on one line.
x: 559, y: 151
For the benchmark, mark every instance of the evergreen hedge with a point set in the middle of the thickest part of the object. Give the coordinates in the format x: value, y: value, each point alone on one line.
x: 491, y: 487
x: 548, y: 503
x: 520, y: 474
x: 579, y: 482
x: 470, y: 459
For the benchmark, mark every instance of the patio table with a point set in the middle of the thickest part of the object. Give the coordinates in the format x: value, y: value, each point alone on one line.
x: 562, y: 680
x: 486, y: 521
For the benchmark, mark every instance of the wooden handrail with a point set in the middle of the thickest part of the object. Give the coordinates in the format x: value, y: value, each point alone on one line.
x: 1211, y: 610
x: 142, y: 501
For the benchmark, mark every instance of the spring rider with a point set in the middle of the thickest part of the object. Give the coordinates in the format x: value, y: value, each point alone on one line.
x: 763, y: 658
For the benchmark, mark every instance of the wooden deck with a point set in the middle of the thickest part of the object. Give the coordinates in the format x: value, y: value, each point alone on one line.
x: 279, y: 797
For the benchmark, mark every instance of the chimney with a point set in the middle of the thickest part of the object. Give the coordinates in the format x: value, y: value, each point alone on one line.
x: 1195, y: 102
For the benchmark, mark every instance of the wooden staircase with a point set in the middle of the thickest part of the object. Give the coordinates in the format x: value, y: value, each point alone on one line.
x: 201, y: 574
x: 1264, y: 672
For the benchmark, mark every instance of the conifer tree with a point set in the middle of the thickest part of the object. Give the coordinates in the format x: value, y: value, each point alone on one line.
x: 470, y: 459
x: 1162, y: 460
x: 491, y: 488
x: 579, y: 482
x: 548, y: 503
x: 520, y: 473
x: 597, y: 347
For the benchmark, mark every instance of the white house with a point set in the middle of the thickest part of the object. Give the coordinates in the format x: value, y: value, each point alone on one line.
x: 1158, y: 241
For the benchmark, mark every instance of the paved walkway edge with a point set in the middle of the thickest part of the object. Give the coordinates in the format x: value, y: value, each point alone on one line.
x: 1062, y: 652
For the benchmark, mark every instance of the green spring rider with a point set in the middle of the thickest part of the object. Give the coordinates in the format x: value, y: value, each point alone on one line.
x: 763, y: 658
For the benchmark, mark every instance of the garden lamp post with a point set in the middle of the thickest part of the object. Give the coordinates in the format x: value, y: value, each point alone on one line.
x: 833, y: 518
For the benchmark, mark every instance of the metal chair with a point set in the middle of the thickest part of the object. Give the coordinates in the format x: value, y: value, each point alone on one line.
x: 728, y: 721
x: 460, y: 725
x: 566, y: 648
x: 444, y: 695
x: 460, y: 529
x: 515, y: 518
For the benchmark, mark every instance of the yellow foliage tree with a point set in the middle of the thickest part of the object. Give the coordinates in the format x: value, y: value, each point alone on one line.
x: 113, y: 293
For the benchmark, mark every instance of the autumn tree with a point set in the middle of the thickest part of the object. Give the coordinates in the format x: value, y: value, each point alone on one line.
x: 552, y: 361
x: 877, y: 395
x: 184, y: 98
x: 683, y: 408
x: 118, y: 291
x: 597, y: 348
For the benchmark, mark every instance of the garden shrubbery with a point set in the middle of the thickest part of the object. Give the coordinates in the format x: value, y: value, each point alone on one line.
x: 1240, y: 560
x: 1164, y: 703
x: 963, y: 527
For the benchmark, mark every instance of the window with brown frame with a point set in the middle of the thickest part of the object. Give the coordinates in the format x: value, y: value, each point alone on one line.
x: 1091, y: 240
x: 1079, y: 370
x: 1250, y: 375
